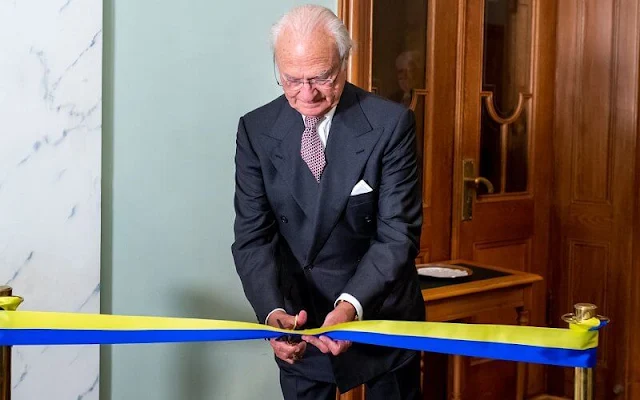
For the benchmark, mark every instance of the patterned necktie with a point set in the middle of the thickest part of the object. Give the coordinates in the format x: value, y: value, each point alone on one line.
x: 311, y: 148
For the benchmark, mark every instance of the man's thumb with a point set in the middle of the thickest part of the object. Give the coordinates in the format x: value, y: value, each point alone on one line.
x: 302, y: 319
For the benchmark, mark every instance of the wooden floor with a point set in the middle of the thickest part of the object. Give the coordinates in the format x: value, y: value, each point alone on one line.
x: 548, y: 397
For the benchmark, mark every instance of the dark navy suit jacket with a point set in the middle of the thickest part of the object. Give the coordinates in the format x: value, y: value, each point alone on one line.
x: 299, y: 244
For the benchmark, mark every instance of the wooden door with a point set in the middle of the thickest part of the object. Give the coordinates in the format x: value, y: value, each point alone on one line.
x: 502, y: 161
x: 595, y: 182
x: 487, y: 71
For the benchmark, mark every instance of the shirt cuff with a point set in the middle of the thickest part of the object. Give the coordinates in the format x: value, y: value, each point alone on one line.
x: 353, y: 301
x: 266, y: 320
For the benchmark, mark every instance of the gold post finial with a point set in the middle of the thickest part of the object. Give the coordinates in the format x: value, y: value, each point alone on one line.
x: 584, y: 311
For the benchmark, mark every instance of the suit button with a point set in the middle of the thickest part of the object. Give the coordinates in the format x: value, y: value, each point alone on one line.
x: 308, y: 267
x: 284, y: 219
x: 367, y: 219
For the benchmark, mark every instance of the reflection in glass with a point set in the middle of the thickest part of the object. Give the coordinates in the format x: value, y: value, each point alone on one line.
x: 409, y: 76
x: 398, y: 48
x: 507, y: 51
x: 398, y: 65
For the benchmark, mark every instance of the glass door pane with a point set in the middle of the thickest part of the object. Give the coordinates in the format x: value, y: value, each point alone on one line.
x: 399, y: 48
x: 506, y: 94
x: 399, y: 65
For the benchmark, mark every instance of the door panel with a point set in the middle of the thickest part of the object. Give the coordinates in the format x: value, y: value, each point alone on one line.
x: 518, y: 252
x: 504, y: 108
x: 595, y: 157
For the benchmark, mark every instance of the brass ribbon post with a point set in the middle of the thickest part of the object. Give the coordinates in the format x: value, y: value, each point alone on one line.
x: 583, y: 377
x: 5, y: 351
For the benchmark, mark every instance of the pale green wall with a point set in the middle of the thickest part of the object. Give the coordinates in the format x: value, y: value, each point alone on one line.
x: 177, y: 76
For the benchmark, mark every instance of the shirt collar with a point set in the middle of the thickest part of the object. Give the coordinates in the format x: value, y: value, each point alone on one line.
x: 328, y: 116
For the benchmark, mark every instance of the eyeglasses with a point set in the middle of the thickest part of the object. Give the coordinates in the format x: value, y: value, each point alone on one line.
x: 297, y: 84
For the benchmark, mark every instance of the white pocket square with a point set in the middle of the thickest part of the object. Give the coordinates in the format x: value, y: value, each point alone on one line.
x: 361, y: 188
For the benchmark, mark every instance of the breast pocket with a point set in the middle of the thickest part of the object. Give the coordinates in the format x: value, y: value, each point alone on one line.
x: 360, y: 213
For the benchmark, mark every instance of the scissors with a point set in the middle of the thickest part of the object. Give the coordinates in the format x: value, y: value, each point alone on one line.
x: 289, y: 338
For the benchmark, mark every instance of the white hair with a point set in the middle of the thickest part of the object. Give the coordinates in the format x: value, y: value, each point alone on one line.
x: 304, y: 20
x: 407, y: 57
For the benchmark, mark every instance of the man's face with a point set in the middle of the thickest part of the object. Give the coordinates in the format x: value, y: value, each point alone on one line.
x: 404, y: 77
x: 314, y: 58
x: 406, y: 71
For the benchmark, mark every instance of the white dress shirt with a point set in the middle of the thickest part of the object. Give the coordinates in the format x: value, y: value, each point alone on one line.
x: 323, y: 132
x: 324, y: 126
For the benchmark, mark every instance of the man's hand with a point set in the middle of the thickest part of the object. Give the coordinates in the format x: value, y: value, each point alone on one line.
x: 344, y: 312
x: 288, y: 352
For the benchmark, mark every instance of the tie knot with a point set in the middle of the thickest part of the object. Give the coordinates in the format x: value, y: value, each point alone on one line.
x: 311, y: 122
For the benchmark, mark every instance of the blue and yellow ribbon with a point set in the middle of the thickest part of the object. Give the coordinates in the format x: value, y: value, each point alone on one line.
x: 575, y: 347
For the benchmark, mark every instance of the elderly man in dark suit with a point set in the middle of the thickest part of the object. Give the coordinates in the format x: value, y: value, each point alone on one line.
x: 328, y: 215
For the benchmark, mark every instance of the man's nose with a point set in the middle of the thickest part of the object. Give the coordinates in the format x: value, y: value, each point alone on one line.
x: 307, y: 91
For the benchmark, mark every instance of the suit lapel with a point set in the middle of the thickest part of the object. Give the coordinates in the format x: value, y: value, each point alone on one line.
x: 351, y: 140
x: 287, y: 160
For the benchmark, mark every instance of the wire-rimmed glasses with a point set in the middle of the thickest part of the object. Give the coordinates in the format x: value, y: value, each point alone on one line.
x: 297, y: 84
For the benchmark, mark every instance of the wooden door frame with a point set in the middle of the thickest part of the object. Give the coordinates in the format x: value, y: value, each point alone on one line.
x: 357, y: 16
x: 632, y: 367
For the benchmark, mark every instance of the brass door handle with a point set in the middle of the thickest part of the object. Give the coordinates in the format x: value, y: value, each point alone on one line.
x: 478, y: 180
x: 470, y: 183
